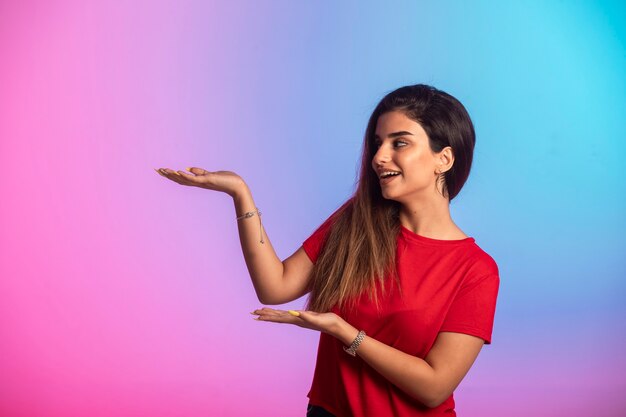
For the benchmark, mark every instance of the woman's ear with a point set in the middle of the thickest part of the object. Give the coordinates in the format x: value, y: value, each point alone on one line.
x: 446, y: 159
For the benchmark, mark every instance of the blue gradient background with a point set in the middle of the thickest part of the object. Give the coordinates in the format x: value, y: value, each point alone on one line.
x: 124, y: 294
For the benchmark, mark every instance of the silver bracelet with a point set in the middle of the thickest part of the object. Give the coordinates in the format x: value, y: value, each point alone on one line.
x: 355, y: 344
x: 250, y: 214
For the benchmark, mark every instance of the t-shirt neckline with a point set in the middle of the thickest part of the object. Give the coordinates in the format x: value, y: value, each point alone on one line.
x: 423, y: 239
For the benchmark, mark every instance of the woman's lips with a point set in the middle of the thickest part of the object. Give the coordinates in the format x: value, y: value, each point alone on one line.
x: 384, y: 181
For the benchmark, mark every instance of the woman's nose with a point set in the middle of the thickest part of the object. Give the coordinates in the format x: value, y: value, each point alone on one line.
x: 381, y: 156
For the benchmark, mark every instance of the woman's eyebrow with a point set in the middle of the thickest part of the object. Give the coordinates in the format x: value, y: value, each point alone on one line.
x: 395, y: 134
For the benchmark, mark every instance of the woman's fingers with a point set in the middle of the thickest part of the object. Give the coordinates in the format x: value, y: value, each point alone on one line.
x: 266, y: 311
x: 269, y: 314
x: 225, y: 181
x: 180, y: 177
x: 281, y: 316
x: 197, y: 171
x: 173, y: 175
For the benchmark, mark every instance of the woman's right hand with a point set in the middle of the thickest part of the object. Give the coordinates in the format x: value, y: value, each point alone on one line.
x: 224, y: 181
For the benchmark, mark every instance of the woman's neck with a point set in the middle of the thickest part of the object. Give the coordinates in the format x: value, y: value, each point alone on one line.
x: 430, y: 219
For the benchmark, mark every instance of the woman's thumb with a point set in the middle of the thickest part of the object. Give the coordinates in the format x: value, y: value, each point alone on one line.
x: 196, y: 171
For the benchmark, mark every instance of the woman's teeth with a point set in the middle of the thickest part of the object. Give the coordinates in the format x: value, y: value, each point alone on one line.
x: 388, y: 174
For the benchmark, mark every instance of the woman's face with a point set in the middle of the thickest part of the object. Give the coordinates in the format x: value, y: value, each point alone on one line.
x: 402, y: 146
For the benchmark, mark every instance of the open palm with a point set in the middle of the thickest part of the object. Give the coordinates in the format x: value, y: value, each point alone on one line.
x: 225, y: 181
x: 323, y: 322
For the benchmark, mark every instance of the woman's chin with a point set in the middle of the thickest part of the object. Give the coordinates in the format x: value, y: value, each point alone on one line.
x: 387, y: 195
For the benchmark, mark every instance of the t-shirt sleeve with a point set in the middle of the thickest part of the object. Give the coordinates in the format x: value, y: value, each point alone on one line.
x: 313, y: 244
x: 473, y: 309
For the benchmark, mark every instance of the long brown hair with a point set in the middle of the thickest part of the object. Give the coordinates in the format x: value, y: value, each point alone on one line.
x: 360, y: 247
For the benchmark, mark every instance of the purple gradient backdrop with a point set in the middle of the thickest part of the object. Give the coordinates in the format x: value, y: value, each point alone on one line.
x: 124, y: 294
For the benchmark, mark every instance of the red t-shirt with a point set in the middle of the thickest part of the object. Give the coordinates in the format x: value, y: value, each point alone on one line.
x: 448, y: 285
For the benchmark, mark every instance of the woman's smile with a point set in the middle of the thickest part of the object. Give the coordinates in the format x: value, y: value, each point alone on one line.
x: 387, y: 180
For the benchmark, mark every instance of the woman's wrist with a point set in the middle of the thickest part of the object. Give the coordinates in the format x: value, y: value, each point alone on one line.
x: 241, y: 192
x: 346, y: 333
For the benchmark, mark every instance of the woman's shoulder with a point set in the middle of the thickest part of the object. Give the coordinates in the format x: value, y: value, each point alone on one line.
x: 482, y: 263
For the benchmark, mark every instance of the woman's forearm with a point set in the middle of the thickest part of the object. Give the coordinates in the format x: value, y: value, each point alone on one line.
x: 264, y: 266
x: 409, y: 373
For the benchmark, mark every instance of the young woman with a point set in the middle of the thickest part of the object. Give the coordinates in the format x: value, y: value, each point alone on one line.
x: 404, y: 300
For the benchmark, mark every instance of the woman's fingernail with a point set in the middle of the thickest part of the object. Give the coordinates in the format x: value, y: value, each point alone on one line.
x: 188, y: 169
x: 294, y: 313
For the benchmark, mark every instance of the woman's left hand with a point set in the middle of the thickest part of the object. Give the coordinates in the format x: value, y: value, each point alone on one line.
x: 323, y: 322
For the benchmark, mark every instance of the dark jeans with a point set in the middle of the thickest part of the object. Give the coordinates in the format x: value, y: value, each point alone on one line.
x: 317, y: 411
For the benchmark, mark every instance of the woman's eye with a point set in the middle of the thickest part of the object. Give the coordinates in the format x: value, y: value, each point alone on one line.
x: 377, y: 145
